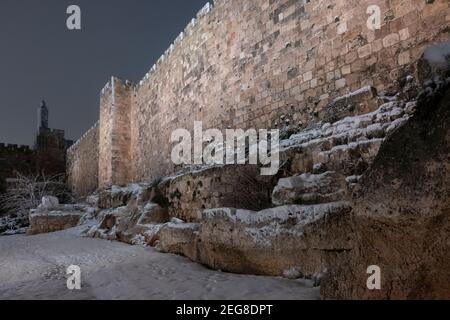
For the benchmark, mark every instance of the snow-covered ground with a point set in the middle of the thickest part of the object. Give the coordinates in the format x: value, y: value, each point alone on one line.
x: 35, y: 268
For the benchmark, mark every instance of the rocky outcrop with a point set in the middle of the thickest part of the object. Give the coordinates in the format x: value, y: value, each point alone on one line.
x: 347, y: 146
x: 401, y: 216
x: 237, y: 186
x: 310, y: 188
x: 280, y: 241
x: 186, y: 194
x: 180, y: 238
x: 275, y: 241
x: 358, y: 102
x: 115, y: 197
x: 130, y: 224
x: 153, y: 214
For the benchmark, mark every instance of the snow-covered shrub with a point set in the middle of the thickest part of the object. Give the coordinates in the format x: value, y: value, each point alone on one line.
x: 24, y: 193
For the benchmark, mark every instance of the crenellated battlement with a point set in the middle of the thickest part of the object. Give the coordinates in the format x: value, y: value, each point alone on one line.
x: 188, y: 31
x: 77, y: 143
x: 14, y: 148
x: 114, y: 82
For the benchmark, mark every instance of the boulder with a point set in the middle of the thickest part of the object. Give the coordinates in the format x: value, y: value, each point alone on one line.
x: 114, y: 222
x: 115, y: 197
x: 274, y: 241
x: 145, y: 222
x: 131, y: 224
x: 179, y: 238
x: 153, y: 214
x: 310, y: 189
x: 93, y: 200
x: 49, y: 203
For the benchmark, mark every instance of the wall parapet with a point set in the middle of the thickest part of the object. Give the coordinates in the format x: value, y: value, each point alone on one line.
x: 77, y: 143
x: 7, y: 148
x: 190, y: 28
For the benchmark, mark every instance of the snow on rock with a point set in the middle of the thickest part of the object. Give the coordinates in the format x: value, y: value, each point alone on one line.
x: 435, y: 62
x: 15, y: 232
x: 348, y: 129
x: 293, y: 273
x: 176, y: 221
x: 352, y: 142
x: 438, y: 54
x: 13, y: 224
x: 93, y: 200
x: 139, y: 240
x: 116, y: 196
x: 273, y: 240
x: 309, y: 189
x: 235, y: 240
x: 401, y: 213
x: 49, y: 203
x: 359, y: 101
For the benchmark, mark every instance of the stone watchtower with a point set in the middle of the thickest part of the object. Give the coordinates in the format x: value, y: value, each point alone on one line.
x: 48, y: 156
x: 50, y: 145
x: 42, y: 117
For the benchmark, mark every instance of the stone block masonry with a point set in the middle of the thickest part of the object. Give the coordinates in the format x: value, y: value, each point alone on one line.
x: 115, y: 165
x: 259, y: 64
x: 84, y: 163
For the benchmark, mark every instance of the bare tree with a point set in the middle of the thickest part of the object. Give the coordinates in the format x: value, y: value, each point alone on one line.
x: 25, y: 192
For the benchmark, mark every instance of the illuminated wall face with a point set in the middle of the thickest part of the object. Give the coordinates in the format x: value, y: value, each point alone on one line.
x: 262, y: 65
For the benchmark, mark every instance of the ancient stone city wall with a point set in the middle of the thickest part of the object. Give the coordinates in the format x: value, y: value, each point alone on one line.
x: 83, y: 163
x: 261, y: 64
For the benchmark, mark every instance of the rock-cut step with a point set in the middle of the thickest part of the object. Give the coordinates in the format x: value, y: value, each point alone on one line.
x: 348, y: 146
x: 310, y: 189
x: 301, y: 239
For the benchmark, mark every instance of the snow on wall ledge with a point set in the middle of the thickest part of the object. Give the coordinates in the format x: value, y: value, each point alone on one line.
x: 258, y: 64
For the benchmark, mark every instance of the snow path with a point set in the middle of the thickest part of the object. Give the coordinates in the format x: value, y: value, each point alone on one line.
x: 34, y: 268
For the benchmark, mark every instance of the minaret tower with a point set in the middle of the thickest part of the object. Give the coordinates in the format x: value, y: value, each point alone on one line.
x: 42, y: 116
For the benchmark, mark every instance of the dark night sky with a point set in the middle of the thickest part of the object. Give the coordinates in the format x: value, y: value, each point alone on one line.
x: 41, y: 58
